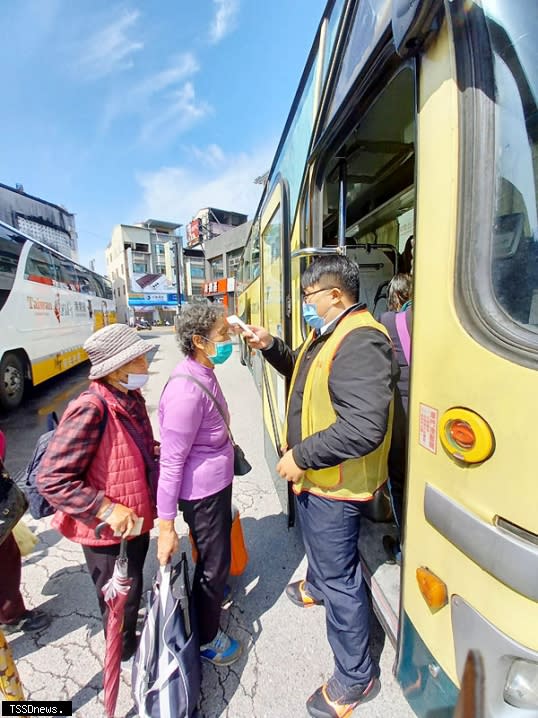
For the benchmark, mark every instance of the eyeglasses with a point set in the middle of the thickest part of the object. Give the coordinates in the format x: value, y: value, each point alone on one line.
x: 316, y: 291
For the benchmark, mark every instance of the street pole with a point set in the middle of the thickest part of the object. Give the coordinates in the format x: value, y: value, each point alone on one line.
x: 178, y: 263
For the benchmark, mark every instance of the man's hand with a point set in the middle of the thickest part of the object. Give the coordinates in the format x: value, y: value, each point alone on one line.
x: 168, y: 541
x: 288, y: 469
x: 262, y: 340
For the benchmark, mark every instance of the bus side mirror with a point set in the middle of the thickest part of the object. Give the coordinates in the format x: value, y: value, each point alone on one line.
x: 414, y: 23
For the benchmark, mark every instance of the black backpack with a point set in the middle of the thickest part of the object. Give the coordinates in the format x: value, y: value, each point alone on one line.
x: 38, y: 506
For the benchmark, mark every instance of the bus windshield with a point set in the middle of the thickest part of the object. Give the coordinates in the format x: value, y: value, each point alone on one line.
x: 513, y: 28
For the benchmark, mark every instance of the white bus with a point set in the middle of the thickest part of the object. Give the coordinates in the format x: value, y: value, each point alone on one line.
x: 49, y: 306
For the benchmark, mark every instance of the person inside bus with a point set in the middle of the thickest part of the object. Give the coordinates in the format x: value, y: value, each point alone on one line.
x: 98, y: 466
x: 14, y: 616
x: 197, y: 469
x: 341, y: 389
x: 398, y: 321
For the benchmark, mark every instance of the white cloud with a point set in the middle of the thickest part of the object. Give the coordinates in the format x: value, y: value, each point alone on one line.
x: 225, y: 19
x: 110, y: 49
x: 165, y: 102
x: 180, y: 111
x: 180, y: 67
x: 177, y: 193
x: 211, y: 156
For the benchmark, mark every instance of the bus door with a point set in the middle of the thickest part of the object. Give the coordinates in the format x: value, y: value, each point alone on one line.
x: 275, y: 315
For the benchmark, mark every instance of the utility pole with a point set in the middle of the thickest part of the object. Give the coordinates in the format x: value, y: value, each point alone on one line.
x: 179, y: 264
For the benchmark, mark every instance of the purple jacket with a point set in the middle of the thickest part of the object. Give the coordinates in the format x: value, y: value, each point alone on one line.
x: 196, y: 452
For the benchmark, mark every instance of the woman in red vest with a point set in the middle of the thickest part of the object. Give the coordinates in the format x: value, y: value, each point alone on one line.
x: 100, y: 465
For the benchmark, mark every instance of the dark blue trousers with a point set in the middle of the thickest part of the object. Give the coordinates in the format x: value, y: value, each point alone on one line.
x: 331, y: 534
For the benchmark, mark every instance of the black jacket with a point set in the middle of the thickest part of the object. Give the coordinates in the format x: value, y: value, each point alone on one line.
x: 361, y: 382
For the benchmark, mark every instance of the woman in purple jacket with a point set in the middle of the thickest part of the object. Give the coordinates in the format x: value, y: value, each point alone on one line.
x: 196, y: 470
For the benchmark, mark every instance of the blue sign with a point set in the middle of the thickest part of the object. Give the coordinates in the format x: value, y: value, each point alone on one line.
x: 153, y: 299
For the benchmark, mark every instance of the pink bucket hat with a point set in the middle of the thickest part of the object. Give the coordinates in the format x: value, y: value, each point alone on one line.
x: 113, y: 346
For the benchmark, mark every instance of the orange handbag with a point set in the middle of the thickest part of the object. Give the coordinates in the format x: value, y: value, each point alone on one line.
x: 239, y: 560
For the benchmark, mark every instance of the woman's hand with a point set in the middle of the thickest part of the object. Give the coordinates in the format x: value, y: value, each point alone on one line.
x: 262, y: 340
x: 167, y: 542
x: 122, y: 519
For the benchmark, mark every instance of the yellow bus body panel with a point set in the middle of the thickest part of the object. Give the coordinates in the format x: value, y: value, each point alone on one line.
x: 451, y: 369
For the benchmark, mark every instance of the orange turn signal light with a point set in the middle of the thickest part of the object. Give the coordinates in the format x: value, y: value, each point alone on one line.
x: 466, y: 436
x: 433, y: 590
x: 461, y: 434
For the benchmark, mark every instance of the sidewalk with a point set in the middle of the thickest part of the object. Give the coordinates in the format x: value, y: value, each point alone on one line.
x: 286, y: 654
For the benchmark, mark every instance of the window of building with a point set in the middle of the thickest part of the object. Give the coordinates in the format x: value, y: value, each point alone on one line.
x: 232, y: 261
x: 159, y: 249
x: 140, y: 268
x: 216, y: 268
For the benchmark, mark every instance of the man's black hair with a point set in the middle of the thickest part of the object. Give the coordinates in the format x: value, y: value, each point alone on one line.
x: 333, y: 270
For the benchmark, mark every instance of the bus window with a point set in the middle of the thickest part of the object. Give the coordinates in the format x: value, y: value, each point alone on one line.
x: 40, y: 266
x: 87, y: 285
x: 69, y: 276
x: 255, y: 252
x: 371, y: 19
x: 108, y: 287
x: 10, y: 250
x: 378, y: 169
x: 98, y: 284
x: 514, y: 255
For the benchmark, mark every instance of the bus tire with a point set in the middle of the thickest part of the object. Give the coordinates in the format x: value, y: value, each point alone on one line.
x: 11, y: 381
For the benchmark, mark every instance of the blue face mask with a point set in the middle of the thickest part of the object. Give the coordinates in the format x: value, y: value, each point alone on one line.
x: 223, y: 351
x: 311, y: 316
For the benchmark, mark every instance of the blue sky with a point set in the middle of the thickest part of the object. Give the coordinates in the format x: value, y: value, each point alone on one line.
x: 123, y: 111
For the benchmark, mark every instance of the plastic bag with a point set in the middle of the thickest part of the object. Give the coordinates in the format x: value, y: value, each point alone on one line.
x: 25, y: 538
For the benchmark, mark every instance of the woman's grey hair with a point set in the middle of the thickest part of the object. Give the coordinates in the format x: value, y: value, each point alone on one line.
x: 196, y: 319
x: 400, y: 290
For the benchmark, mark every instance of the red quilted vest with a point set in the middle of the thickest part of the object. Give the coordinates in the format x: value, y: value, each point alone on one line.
x: 118, y: 469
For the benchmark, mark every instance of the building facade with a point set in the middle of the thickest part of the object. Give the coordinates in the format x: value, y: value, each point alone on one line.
x: 209, y: 223
x: 47, y: 222
x: 141, y: 264
x: 222, y: 256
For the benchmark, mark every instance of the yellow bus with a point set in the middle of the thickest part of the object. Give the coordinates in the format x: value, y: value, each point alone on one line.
x: 420, y: 119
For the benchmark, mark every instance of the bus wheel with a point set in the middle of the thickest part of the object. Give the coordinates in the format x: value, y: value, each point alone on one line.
x: 11, y: 381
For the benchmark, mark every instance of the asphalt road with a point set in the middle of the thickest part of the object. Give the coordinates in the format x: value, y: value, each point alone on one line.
x: 286, y: 653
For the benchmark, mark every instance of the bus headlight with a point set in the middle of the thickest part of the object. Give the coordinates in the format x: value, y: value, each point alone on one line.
x: 521, y: 687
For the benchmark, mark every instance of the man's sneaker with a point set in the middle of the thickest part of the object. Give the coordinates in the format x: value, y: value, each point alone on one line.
x: 33, y: 620
x: 222, y: 651
x: 297, y: 594
x: 333, y: 700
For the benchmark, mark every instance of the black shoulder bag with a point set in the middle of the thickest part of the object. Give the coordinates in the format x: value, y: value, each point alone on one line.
x: 241, y: 463
x: 13, y: 503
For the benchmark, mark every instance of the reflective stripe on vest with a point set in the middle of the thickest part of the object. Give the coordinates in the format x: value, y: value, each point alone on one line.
x: 358, y: 478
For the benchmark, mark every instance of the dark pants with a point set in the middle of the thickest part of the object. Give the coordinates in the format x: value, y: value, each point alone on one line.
x: 330, y: 534
x: 100, y: 561
x: 11, y: 602
x: 397, y: 460
x: 210, y: 522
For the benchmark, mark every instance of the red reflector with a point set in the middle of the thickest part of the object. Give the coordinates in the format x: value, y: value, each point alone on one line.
x: 461, y: 434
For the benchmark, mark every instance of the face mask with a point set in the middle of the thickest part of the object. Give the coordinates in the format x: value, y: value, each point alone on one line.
x: 222, y: 353
x: 135, y: 381
x: 311, y: 316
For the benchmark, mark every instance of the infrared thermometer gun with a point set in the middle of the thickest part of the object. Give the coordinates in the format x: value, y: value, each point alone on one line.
x: 234, y: 320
